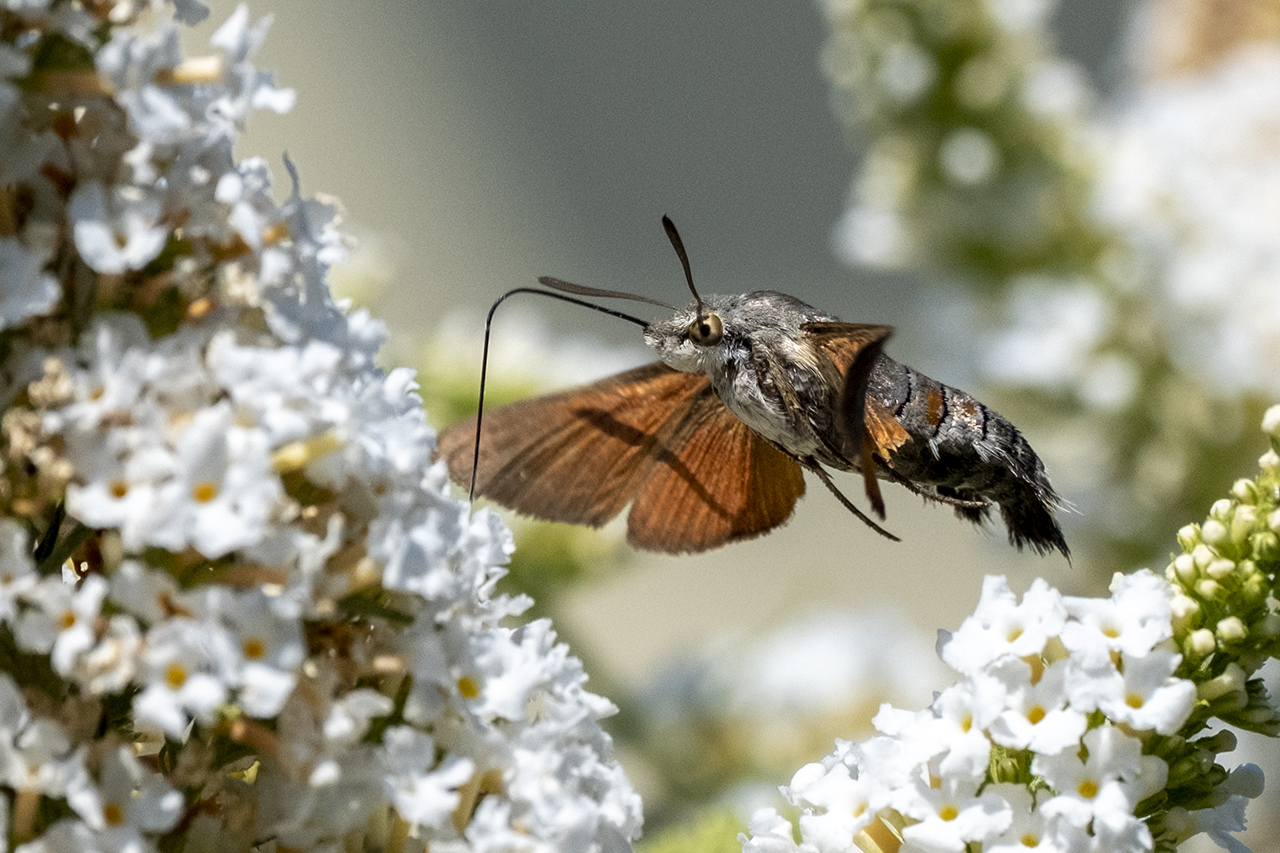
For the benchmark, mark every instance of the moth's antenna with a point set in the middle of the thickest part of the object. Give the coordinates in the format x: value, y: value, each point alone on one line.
x: 488, y: 327
x: 676, y: 243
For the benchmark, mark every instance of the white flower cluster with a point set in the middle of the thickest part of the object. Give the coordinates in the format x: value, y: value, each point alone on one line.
x: 1046, y: 744
x: 1186, y: 178
x: 268, y: 581
x: 1189, y: 174
x: 966, y: 116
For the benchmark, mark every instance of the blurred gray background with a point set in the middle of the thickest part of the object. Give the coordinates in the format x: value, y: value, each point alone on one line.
x: 478, y: 144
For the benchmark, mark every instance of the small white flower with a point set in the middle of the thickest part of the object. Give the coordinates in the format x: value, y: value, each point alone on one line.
x: 1146, y: 696
x: 1115, y: 828
x: 1033, y: 830
x: 28, y: 290
x: 965, y: 712
x: 1002, y: 627
x: 62, y: 622
x: 17, y: 569
x: 149, y: 594
x: 837, y: 804
x: 771, y: 833
x: 182, y: 664
x: 424, y: 794
x: 223, y: 490
x: 134, y: 800
x: 111, y: 665
x: 120, y: 476
x: 115, y: 243
x: 349, y: 715
x: 951, y: 815
x: 1037, y: 716
x: 1114, y: 759
x: 270, y: 645
x: 1132, y: 621
x: 108, y: 372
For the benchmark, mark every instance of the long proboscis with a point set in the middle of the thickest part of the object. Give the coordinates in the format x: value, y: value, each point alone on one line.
x: 598, y: 293
x: 488, y: 328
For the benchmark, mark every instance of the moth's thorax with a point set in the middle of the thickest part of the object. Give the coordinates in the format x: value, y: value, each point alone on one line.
x: 762, y: 346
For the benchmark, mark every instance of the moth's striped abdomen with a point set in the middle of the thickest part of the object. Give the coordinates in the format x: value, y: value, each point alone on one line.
x: 964, y: 450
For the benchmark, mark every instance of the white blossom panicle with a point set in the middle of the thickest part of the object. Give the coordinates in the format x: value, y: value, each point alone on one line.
x: 969, y: 123
x: 251, y: 607
x: 1069, y: 732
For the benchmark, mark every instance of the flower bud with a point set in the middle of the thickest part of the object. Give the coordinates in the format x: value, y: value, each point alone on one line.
x: 1221, y: 509
x: 1269, y: 462
x: 1184, y: 608
x: 1231, y: 630
x: 1208, y: 589
x: 1242, y: 522
x: 1202, y: 555
x: 1202, y: 643
x: 1186, y: 768
x: 1273, y: 521
x: 1245, y: 491
x: 1230, y: 683
x: 1185, y: 568
x: 1255, y: 588
x: 1189, y: 536
x: 1265, y: 545
x: 1271, y: 421
x: 1220, y: 568
x: 1214, y: 532
x: 1179, y: 822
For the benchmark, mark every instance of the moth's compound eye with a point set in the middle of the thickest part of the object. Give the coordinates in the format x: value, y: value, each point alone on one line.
x: 706, y: 331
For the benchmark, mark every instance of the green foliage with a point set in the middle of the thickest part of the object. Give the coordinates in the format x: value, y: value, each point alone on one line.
x: 708, y: 832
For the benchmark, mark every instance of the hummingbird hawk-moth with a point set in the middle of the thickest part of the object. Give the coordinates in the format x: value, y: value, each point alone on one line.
x: 709, y: 444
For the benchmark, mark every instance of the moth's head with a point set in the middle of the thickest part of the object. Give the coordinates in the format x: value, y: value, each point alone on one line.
x: 727, y: 326
x: 685, y: 341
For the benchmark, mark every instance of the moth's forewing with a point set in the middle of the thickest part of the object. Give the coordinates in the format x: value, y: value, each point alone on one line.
x: 865, y: 430
x: 701, y: 478
x: 714, y: 481
x: 578, y: 456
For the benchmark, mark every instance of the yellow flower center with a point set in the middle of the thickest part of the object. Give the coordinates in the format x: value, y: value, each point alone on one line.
x: 254, y: 648
x: 1029, y: 840
x: 68, y: 619
x: 948, y: 812
x: 1088, y: 789
x: 175, y: 675
x: 468, y: 687
x: 113, y: 814
x: 204, y: 492
x: 1035, y: 714
x: 119, y: 488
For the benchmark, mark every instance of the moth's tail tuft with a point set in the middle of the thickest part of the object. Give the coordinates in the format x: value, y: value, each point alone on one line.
x: 1031, y: 523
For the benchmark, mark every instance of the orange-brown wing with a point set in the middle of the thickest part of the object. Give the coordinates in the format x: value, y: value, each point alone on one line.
x: 713, y: 481
x: 577, y: 456
x: 854, y: 348
x: 868, y: 427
